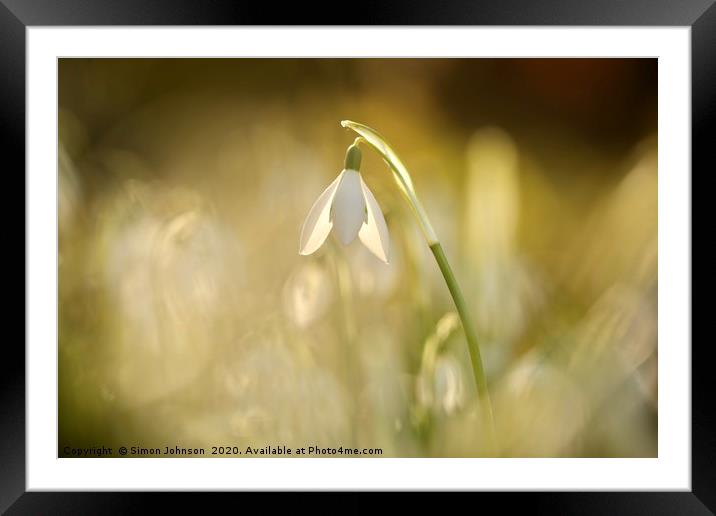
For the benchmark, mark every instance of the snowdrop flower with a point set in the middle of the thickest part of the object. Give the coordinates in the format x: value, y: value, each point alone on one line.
x: 348, y: 207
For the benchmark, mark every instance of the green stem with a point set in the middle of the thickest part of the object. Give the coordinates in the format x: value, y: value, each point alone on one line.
x: 405, y: 183
x: 470, y: 333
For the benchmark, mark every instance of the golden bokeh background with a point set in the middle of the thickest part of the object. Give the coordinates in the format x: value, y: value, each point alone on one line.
x: 187, y: 316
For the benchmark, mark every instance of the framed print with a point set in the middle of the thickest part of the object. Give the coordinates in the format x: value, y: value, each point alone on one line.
x: 424, y: 251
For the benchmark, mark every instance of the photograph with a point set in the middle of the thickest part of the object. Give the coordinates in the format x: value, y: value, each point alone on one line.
x: 357, y: 257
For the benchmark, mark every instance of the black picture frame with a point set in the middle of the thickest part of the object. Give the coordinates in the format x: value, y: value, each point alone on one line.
x: 17, y: 15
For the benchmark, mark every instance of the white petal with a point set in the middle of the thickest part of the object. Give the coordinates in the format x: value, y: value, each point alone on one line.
x: 318, y: 222
x: 374, y: 233
x: 348, y: 209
